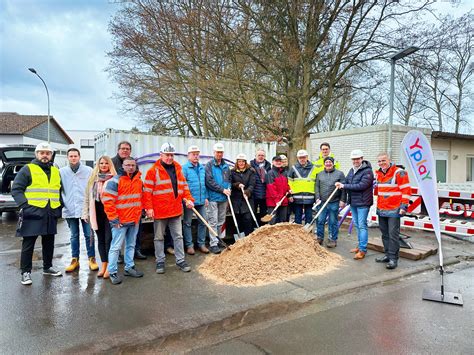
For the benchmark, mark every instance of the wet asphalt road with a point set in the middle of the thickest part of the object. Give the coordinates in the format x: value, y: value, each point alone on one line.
x: 55, y: 314
x: 387, y: 320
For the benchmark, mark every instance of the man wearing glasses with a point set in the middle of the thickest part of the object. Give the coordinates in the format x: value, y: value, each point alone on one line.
x: 358, y: 186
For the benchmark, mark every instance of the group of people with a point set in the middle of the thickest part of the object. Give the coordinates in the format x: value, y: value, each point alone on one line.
x: 110, y: 200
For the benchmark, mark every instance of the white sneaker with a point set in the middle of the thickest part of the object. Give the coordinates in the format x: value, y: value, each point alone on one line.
x: 26, y: 278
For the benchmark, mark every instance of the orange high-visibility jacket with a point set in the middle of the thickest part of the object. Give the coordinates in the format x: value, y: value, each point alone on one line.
x: 122, y: 198
x: 392, y: 191
x: 159, y: 194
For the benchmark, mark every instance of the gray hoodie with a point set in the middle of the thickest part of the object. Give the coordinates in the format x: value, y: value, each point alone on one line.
x: 325, y: 185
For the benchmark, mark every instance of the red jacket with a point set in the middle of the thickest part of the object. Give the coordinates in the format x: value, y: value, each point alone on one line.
x: 159, y: 193
x: 393, y: 191
x: 122, y: 198
x: 277, y: 187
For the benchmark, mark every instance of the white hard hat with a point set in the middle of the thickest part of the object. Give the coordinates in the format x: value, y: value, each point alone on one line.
x: 193, y: 148
x: 241, y: 156
x: 44, y: 146
x: 283, y: 157
x: 356, y: 153
x: 302, y: 153
x: 167, y: 148
x: 218, y: 147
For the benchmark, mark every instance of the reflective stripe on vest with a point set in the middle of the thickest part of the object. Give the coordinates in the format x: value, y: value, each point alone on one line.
x: 41, y: 191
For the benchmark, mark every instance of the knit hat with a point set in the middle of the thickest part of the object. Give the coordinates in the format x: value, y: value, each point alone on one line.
x: 329, y: 158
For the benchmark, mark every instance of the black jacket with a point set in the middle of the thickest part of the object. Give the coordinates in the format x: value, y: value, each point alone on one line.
x: 33, y: 220
x: 246, y: 177
x: 359, y: 186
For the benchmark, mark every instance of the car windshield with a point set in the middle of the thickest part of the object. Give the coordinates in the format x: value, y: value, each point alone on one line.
x: 18, y: 154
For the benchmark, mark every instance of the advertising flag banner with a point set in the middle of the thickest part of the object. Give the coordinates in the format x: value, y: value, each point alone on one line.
x: 418, y: 152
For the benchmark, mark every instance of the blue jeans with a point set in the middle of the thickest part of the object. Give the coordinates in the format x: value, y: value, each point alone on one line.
x: 332, y: 209
x: 359, y: 217
x: 73, y: 224
x: 308, y: 213
x: 187, y: 221
x: 129, y: 233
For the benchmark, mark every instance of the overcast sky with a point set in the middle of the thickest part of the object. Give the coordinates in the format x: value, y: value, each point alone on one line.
x: 66, y: 42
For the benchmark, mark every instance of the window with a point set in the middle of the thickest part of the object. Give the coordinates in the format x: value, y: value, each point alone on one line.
x: 441, y: 158
x: 87, y: 143
x: 470, y: 169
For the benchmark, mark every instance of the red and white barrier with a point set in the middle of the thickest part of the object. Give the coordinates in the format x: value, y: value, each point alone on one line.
x: 465, y: 195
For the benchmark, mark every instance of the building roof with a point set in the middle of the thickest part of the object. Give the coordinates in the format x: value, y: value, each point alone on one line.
x: 450, y: 135
x: 14, y: 123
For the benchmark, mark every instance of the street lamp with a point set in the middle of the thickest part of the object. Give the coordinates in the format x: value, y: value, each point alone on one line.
x: 47, y: 94
x: 402, y: 54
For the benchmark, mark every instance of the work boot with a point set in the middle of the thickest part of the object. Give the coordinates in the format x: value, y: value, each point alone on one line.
x: 359, y: 255
x: 103, y: 269
x: 392, y: 264
x: 355, y: 250
x: 160, y: 268
x: 73, y: 266
x: 115, y: 279
x: 133, y: 272
x: 93, y: 264
x: 203, y: 249
x: 139, y: 255
x: 26, y: 278
x: 382, y: 259
x: 331, y: 243
x: 183, y: 266
x: 190, y: 251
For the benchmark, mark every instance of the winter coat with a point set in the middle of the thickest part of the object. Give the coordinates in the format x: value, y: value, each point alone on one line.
x: 117, y: 162
x: 122, y: 198
x: 74, y: 186
x: 260, y: 176
x: 164, y: 191
x: 247, y: 178
x: 325, y: 185
x: 302, y: 188
x: 217, y: 179
x: 392, y: 190
x: 277, y: 187
x: 33, y: 221
x: 359, y: 186
x: 89, y: 210
x: 196, y: 178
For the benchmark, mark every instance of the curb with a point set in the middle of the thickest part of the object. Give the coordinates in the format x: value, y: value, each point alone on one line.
x: 141, y: 339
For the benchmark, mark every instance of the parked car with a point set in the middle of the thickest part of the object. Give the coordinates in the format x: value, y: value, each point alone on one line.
x: 12, y: 159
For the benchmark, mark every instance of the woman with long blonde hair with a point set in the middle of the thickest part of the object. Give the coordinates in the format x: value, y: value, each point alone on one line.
x: 93, y: 210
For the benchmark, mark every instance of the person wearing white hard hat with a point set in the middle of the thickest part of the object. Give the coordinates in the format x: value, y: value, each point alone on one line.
x: 242, y: 176
x: 301, y: 178
x: 165, y: 190
x: 218, y: 185
x: 195, y: 175
x: 36, y: 190
x: 359, y: 189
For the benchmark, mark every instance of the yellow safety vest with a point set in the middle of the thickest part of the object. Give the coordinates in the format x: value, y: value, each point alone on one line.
x: 319, y: 164
x: 300, y: 184
x: 41, y: 191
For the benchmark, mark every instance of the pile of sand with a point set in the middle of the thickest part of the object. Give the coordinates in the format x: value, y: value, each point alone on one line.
x: 268, y: 255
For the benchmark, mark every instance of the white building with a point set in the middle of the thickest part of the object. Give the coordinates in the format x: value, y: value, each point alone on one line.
x: 84, y: 141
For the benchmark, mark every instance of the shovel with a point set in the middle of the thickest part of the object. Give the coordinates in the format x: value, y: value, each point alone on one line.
x: 211, y: 230
x: 238, y: 235
x: 250, y: 208
x: 308, y: 227
x: 269, y: 217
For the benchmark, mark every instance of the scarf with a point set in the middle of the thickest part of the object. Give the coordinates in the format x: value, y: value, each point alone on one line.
x: 98, y: 185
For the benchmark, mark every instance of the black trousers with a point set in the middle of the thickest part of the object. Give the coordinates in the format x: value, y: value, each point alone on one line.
x: 27, y: 248
x: 104, y: 233
x: 260, y: 208
x: 245, y: 222
x: 390, y: 228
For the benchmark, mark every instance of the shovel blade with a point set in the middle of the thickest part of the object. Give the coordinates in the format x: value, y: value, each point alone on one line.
x: 266, y: 218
